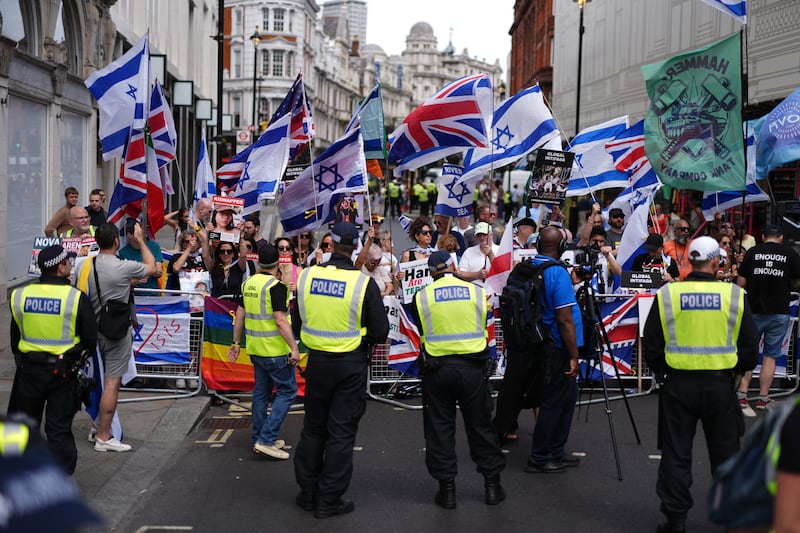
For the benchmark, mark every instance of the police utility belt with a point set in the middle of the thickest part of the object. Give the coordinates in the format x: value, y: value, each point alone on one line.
x: 726, y: 374
x: 41, y: 358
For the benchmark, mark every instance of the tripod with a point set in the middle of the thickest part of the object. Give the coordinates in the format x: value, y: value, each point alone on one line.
x: 595, y: 346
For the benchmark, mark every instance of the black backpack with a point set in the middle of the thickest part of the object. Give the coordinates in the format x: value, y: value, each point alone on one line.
x: 521, y: 307
x: 739, y: 497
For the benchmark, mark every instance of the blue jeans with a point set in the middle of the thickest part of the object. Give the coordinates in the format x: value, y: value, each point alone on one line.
x: 278, y: 373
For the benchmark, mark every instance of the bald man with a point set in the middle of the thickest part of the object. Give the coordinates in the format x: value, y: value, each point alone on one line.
x: 79, y: 220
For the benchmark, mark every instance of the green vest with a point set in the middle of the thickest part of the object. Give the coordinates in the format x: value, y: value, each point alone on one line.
x: 453, y: 314
x: 394, y: 190
x: 263, y: 337
x: 330, y: 302
x: 13, y: 438
x: 701, y: 322
x: 47, y: 316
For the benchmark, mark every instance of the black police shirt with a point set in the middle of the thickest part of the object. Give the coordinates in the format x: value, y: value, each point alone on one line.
x: 769, y: 269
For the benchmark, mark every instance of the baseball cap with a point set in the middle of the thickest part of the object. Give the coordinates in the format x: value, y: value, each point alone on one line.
x: 703, y: 249
x: 524, y: 218
x: 267, y: 256
x: 772, y: 229
x: 616, y: 212
x: 439, y: 261
x: 52, y: 255
x: 344, y: 233
x: 482, y: 227
x: 654, y: 241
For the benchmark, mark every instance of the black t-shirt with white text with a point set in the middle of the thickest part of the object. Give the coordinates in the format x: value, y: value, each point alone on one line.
x: 769, y: 268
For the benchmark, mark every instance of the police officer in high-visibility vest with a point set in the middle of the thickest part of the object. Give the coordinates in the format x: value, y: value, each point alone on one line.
x: 263, y: 316
x: 452, y: 314
x: 698, y: 336
x: 52, y: 325
x: 393, y: 192
x: 341, y: 316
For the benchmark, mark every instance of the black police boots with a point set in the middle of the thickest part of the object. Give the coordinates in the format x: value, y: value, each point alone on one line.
x: 494, y: 491
x: 446, y: 497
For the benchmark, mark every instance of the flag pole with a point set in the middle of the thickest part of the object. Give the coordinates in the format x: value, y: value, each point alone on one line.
x: 743, y: 60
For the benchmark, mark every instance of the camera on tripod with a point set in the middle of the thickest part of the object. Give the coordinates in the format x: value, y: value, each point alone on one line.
x: 587, y: 261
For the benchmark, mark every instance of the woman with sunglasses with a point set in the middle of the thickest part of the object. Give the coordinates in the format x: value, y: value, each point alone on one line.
x: 288, y: 269
x: 420, y: 232
x: 189, y: 259
x: 728, y: 264
x: 302, y: 245
x: 226, y: 269
x: 325, y: 247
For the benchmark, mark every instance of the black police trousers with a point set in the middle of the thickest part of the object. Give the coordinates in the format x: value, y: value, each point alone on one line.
x: 687, y: 398
x: 37, y: 389
x: 335, y: 401
x: 461, y: 382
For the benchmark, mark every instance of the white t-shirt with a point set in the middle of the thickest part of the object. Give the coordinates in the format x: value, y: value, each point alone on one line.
x: 473, y: 260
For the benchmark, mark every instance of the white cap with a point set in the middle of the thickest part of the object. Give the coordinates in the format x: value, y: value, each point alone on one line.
x: 703, y: 249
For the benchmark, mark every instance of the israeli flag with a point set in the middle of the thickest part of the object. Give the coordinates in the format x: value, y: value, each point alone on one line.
x: 204, y: 183
x: 455, y: 198
x: 593, y: 168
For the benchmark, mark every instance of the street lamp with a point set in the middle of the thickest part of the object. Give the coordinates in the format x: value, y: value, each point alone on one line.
x: 256, y: 38
x: 581, y: 4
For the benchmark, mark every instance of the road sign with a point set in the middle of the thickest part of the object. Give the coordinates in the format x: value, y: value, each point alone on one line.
x: 242, y: 137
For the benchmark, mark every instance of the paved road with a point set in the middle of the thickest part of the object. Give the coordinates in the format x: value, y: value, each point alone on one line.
x: 214, y: 482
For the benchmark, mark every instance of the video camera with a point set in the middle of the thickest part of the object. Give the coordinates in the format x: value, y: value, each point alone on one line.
x: 586, y: 261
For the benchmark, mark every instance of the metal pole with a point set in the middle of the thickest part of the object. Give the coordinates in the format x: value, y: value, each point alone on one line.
x: 255, y: 84
x: 580, y: 62
x: 220, y: 38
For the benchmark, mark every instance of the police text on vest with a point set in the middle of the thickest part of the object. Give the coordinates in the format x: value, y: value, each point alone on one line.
x: 701, y: 301
x: 326, y: 287
x: 446, y: 294
x: 46, y: 306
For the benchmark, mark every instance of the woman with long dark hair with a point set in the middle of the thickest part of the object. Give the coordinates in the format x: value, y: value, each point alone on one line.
x: 226, y: 269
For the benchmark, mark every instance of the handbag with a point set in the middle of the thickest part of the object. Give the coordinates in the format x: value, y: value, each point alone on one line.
x: 115, y: 315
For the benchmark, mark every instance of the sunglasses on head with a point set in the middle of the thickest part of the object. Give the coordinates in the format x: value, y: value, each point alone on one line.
x: 285, y: 248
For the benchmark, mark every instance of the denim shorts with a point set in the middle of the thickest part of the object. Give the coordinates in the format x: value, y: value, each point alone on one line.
x: 773, y: 328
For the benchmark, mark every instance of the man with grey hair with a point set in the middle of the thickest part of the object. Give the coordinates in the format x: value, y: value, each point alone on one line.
x: 79, y: 220
x: 370, y: 268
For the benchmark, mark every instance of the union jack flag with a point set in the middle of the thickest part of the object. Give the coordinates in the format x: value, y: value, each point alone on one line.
x: 302, y: 125
x: 621, y: 322
x: 405, y: 341
x: 627, y: 149
x: 450, y: 121
x: 162, y: 127
x: 132, y: 185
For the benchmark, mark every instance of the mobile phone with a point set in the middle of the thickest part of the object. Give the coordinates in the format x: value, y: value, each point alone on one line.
x: 130, y: 224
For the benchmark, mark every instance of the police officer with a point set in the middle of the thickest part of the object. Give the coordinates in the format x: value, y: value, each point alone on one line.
x: 393, y: 192
x: 52, y: 325
x: 699, y: 334
x: 451, y: 314
x: 341, y: 315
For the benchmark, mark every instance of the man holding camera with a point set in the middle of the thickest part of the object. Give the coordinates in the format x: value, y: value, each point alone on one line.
x: 53, y: 325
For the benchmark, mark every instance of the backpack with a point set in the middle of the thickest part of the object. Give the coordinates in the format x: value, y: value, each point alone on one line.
x: 739, y: 496
x: 521, y: 307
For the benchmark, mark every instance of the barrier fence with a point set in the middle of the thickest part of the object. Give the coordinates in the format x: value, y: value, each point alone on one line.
x: 169, y: 347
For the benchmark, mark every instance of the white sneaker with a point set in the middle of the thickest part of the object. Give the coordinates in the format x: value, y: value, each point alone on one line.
x: 180, y: 383
x: 111, y: 445
x: 272, y: 451
x: 92, y: 437
x: 747, y: 411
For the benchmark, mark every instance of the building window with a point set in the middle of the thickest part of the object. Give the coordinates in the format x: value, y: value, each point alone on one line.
x: 28, y: 213
x: 237, y: 21
x: 265, y: 18
x: 277, y: 19
x: 277, y: 63
x: 237, y: 63
x: 265, y: 63
x: 236, y: 111
x: 291, y: 19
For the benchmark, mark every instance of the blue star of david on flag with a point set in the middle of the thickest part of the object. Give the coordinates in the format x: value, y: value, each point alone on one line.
x: 131, y: 91
x: 245, y: 176
x: 451, y: 190
x: 326, y: 185
x: 497, y: 142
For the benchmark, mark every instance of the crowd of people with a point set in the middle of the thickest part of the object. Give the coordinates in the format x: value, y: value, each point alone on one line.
x: 329, y: 297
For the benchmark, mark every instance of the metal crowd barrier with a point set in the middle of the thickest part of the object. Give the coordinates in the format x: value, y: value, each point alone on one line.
x: 163, y: 378
x: 791, y: 380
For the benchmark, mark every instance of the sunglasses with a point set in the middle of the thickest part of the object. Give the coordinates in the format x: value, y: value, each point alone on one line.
x: 285, y: 248
x: 325, y: 245
x: 249, y: 246
x: 373, y: 263
x: 424, y: 232
x: 226, y: 251
x: 618, y: 216
x: 682, y: 229
x: 305, y: 236
x: 725, y: 243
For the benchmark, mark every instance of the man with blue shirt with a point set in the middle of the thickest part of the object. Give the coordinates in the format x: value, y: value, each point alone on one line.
x: 555, y: 384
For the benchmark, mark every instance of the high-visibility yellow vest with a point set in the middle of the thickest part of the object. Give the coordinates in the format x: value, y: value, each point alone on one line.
x: 453, y: 314
x: 701, y: 322
x: 67, y: 234
x: 263, y: 337
x: 394, y: 190
x: 330, y: 303
x: 13, y: 438
x: 422, y: 193
x: 432, y: 188
x: 417, y: 188
x: 47, y: 316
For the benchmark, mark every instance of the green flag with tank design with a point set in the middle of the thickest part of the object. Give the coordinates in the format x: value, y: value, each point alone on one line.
x: 693, y: 128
